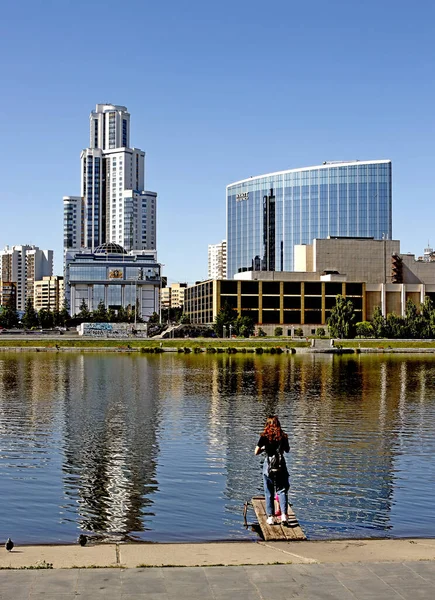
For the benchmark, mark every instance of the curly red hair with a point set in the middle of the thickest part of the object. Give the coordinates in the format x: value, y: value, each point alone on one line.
x: 273, y: 430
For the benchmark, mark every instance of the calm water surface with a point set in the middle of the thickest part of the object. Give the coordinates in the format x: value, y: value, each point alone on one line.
x: 160, y: 448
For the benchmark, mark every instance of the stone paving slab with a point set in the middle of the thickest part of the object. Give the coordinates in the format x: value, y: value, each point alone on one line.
x: 222, y: 553
x: 61, y: 557
x: 370, y: 581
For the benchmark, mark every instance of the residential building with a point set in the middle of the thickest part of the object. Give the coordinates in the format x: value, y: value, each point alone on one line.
x: 173, y: 296
x: 113, y: 206
x: 8, y: 293
x: 22, y: 265
x: 114, y: 277
x: 268, y: 215
x: 49, y: 293
x: 165, y: 297
x: 177, y: 294
x: 217, y: 260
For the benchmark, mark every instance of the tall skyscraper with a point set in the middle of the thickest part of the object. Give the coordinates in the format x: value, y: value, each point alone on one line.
x: 217, y: 260
x: 113, y: 206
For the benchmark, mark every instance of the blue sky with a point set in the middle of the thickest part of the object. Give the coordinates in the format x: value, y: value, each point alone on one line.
x: 217, y: 92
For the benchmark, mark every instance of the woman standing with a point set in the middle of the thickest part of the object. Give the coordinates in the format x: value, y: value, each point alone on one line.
x: 274, y: 442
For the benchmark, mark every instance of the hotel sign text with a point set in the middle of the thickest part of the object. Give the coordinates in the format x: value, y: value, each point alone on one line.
x: 243, y: 196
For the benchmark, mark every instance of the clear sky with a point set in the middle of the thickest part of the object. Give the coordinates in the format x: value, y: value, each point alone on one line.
x: 217, y: 91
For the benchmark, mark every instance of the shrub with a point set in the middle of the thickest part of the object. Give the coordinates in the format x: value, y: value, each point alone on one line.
x: 320, y: 332
x: 277, y: 332
x: 364, y: 329
x: 299, y: 332
x: 261, y: 333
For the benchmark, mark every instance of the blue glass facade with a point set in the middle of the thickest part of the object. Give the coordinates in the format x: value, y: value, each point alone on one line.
x: 269, y: 214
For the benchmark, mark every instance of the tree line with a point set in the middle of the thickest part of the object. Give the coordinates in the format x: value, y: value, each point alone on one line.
x: 240, y: 326
x: 43, y: 319
x: 417, y: 323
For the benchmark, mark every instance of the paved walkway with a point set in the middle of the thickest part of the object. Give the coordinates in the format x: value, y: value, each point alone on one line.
x: 133, y: 556
x: 363, y: 581
x: 339, y: 570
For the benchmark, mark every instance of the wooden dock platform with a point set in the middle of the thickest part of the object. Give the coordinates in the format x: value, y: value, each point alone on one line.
x: 278, y: 533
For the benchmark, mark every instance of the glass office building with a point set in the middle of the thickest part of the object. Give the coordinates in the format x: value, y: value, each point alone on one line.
x: 114, y: 277
x: 267, y: 215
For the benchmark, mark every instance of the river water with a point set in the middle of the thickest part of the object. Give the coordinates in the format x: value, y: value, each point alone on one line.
x: 160, y: 447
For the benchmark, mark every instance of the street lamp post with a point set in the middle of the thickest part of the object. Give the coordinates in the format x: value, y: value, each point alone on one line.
x: 135, y: 303
x: 224, y: 331
x: 160, y: 292
x: 231, y: 328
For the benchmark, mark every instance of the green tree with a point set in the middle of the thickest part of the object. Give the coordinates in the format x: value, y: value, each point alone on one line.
x: 9, y: 316
x: 244, y: 326
x: 154, y: 318
x: 427, y: 317
x: 378, y: 323
x: 342, y: 319
x: 225, y: 317
x: 121, y: 316
x: 64, y: 314
x: 412, y: 319
x: 84, y: 313
x: 30, y: 318
x: 261, y: 333
x: 185, y: 319
x: 45, y: 318
x: 56, y: 317
x: 395, y: 326
x: 111, y: 315
x: 364, y: 329
x: 176, y: 314
x: 277, y: 332
x: 136, y: 318
x: 100, y: 315
x: 299, y: 332
x: 320, y: 332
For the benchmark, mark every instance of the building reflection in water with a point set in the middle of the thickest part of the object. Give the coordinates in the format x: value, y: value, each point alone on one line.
x: 341, y: 418
x: 163, y: 444
x: 111, y: 443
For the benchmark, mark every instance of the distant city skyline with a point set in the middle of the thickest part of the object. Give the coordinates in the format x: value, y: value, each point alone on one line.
x: 216, y: 94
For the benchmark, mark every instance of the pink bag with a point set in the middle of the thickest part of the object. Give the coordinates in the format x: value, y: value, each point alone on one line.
x: 277, y: 510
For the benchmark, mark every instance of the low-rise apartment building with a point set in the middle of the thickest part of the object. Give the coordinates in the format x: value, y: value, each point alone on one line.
x: 49, y: 293
x: 173, y: 296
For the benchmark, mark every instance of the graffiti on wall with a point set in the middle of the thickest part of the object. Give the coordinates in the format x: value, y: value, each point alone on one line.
x: 97, y: 327
x: 112, y: 330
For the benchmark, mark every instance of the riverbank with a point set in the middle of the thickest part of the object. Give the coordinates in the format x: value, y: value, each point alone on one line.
x: 214, y: 346
x: 197, y: 345
x: 132, y: 556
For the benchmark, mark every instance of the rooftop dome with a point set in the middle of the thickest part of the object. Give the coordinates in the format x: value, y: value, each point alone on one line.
x: 110, y: 248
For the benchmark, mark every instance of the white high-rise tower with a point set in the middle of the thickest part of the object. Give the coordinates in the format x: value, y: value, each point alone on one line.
x: 217, y: 260
x: 114, y: 207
